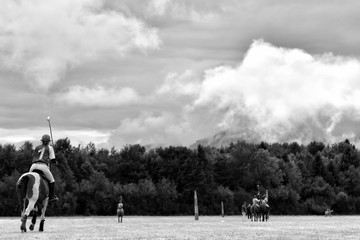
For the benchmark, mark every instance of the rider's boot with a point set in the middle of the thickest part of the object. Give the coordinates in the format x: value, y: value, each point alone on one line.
x: 52, y: 196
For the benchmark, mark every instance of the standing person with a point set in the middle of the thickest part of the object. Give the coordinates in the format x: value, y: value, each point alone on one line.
x: 244, y: 210
x: 42, y: 156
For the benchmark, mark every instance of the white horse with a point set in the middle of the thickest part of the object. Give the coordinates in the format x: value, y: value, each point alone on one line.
x: 33, y: 193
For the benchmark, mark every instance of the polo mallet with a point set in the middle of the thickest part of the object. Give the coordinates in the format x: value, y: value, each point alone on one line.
x: 52, y: 140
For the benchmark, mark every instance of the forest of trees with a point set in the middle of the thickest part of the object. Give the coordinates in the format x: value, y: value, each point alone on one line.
x: 301, y: 179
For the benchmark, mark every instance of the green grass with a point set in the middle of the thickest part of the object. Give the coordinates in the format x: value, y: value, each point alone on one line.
x: 185, y: 227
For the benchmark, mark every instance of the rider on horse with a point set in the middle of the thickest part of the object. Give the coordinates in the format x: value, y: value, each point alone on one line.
x: 42, y: 156
x: 120, y: 205
x: 256, y: 200
x: 265, y: 200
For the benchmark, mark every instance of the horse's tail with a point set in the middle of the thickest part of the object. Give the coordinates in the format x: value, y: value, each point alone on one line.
x: 21, y: 188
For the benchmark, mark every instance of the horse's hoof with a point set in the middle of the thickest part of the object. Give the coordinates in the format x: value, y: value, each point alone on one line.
x: 23, y: 227
x: 31, y: 227
x: 41, y: 227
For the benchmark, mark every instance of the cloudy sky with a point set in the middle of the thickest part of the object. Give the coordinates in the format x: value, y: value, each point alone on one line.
x: 171, y: 72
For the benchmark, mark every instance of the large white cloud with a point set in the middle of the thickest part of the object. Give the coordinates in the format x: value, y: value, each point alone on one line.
x: 42, y: 39
x: 273, y: 94
x: 284, y: 94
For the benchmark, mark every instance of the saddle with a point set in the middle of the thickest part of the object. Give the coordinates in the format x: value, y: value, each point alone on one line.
x: 42, y: 175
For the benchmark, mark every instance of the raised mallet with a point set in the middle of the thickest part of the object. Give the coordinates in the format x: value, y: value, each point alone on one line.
x: 52, y: 141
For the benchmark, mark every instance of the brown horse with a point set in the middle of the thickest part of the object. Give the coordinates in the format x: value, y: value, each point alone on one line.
x: 255, y: 212
x: 33, y: 193
x: 120, y: 214
x: 264, y: 211
x: 248, y: 211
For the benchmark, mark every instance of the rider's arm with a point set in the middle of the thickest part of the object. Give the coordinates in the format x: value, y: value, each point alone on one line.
x: 51, y: 153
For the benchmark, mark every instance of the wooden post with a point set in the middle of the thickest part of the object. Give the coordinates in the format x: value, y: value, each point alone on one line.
x: 196, y: 207
x: 222, y: 208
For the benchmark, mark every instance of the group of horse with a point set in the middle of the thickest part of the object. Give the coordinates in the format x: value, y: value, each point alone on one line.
x: 256, y: 212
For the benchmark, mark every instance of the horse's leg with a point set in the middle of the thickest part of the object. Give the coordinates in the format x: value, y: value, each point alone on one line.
x: 25, y: 215
x: 33, y: 220
x: 23, y: 223
x: 43, y: 210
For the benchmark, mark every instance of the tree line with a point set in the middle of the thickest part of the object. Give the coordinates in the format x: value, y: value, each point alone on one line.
x: 300, y: 179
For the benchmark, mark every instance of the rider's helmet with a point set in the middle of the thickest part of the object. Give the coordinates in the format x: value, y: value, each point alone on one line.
x: 45, y: 138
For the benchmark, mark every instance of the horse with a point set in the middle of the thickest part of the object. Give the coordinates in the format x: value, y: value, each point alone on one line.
x: 255, y: 212
x: 328, y: 212
x: 33, y: 193
x: 120, y: 214
x: 248, y: 211
x: 264, y: 211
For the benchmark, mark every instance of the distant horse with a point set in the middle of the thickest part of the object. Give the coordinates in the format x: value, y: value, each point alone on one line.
x: 120, y: 214
x: 32, y: 191
x: 255, y: 212
x: 248, y: 211
x: 328, y: 212
x: 264, y: 211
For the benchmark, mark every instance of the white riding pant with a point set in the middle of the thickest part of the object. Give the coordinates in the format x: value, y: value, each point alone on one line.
x: 45, y: 169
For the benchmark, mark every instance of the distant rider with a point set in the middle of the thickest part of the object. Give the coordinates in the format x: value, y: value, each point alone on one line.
x: 120, y: 205
x: 42, y: 156
x: 120, y: 208
x: 265, y: 201
x: 256, y: 201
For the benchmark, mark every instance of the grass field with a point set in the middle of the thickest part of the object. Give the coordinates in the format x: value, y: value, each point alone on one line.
x: 185, y: 227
